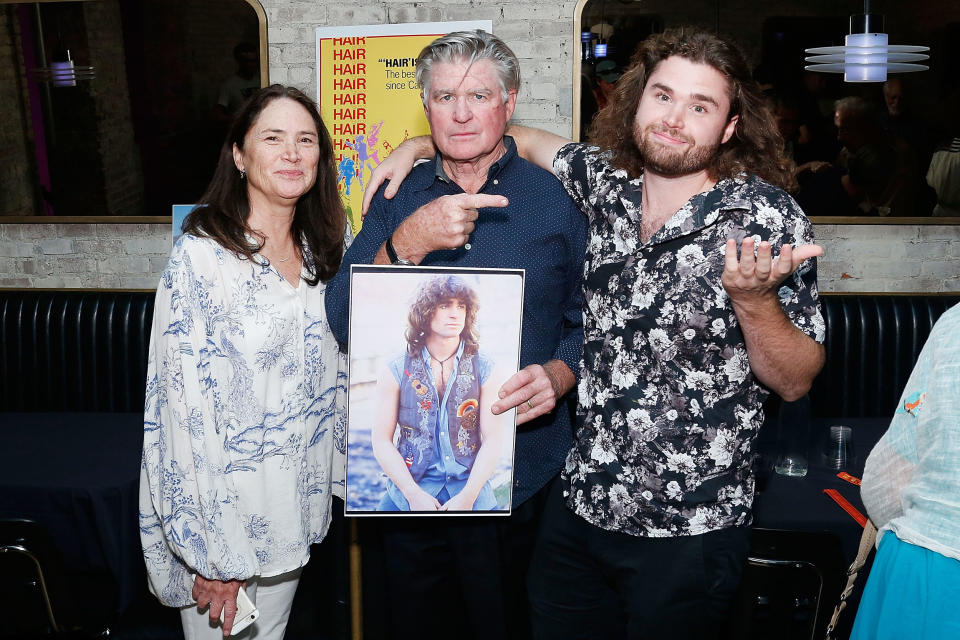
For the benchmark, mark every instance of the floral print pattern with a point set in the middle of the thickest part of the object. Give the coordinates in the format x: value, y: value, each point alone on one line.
x: 668, y: 406
x: 244, y: 426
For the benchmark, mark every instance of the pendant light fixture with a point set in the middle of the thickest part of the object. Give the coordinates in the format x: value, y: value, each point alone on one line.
x: 866, y: 56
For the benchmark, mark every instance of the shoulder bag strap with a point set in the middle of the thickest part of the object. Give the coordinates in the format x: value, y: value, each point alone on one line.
x: 866, y: 544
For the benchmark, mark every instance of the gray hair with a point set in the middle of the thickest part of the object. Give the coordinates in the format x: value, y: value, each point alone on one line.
x: 856, y: 108
x: 469, y: 47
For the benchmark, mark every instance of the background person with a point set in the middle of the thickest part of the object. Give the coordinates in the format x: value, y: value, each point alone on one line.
x: 244, y: 82
x: 244, y: 415
x: 911, y: 489
x: 437, y: 398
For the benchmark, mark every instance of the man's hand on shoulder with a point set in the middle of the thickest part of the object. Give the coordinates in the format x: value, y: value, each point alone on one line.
x: 395, y: 167
x: 754, y: 280
x: 534, y: 390
x: 445, y: 223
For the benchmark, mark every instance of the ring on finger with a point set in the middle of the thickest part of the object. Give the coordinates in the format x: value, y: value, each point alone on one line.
x: 529, y: 404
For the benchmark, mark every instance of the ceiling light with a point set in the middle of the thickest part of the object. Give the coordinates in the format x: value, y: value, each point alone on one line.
x: 866, y: 56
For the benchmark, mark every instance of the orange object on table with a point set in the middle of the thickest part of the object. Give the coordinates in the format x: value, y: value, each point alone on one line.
x: 846, y: 506
x: 843, y: 475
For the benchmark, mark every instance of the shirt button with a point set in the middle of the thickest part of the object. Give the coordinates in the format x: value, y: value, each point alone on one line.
x: 468, y: 246
x: 622, y: 297
x: 496, y: 182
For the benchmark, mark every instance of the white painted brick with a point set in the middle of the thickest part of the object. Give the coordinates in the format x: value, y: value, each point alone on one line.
x: 57, y: 246
x: 11, y: 265
x: 523, y: 49
x: 283, y: 35
x: 544, y: 91
x: 148, y: 245
x: 401, y: 15
x: 15, y: 281
x: 123, y: 230
x: 939, y: 232
x: 130, y: 265
x: 139, y: 281
x: 278, y: 74
x: 76, y: 264
x: 529, y: 11
x: 946, y: 269
x: 158, y: 264
x: 293, y: 53
x: 565, y: 107
x: 350, y: 13
x: 108, y: 281
x: 513, y: 32
x: 300, y: 76
x: 58, y: 282
x: 76, y: 231
x: 16, y: 249
x: 933, y: 250
x: 546, y: 29
x: 100, y: 246
x: 37, y: 231
x: 536, y: 112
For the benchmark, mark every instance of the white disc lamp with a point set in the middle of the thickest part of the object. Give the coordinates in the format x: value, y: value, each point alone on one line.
x: 866, y: 55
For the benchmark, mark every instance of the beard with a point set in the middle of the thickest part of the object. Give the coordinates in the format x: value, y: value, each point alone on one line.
x: 668, y: 162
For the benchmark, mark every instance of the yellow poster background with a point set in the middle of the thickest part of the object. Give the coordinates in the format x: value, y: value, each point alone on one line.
x: 369, y: 98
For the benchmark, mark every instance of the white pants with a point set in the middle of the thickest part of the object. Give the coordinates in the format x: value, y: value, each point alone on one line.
x: 273, y: 597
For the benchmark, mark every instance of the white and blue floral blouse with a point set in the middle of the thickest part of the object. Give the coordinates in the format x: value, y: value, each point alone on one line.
x: 243, y: 423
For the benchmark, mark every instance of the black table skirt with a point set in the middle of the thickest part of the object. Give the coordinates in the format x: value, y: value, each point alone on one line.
x: 78, y: 475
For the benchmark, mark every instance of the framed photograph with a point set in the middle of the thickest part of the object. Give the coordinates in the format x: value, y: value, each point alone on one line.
x: 429, y: 349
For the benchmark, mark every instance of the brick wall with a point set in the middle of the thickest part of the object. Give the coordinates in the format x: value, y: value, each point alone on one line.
x: 98, y: 256
x: 866, y: 258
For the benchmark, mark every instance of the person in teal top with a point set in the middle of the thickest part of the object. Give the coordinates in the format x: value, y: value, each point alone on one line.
x: 434, y: 434
x: 911, y: 489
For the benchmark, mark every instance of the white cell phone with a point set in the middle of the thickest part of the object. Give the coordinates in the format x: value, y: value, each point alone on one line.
x: 247, y: 613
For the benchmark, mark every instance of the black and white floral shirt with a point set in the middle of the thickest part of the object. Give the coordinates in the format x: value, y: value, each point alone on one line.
x: 668, y: 406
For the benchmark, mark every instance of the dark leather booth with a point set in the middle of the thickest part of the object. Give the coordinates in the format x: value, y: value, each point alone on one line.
x: 87, y: 350
x: 872, y: 344
x: 74, y: 350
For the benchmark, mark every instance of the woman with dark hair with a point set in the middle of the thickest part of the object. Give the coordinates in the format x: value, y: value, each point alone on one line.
x: 436, y: 399
x: 244, y: 420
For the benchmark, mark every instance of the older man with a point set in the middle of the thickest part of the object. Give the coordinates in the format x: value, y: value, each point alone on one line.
x: 477, y: 204
x: 646, y: 535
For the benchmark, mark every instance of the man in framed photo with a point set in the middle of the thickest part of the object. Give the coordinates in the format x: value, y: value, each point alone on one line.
x: 476, y: 203
x: 435, y: 398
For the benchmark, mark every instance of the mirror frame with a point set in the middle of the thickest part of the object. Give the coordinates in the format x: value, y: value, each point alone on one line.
x: 843, y: 220
x: 39, y: 219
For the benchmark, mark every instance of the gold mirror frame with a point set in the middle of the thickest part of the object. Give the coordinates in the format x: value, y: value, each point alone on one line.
x: 844, y: 220
x: 37, y: 219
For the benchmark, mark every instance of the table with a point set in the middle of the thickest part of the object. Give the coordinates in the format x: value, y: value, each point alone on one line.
x: 799, y: 504
x: 78, y: 474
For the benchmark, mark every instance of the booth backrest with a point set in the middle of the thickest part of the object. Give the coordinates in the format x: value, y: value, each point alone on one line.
x: 872, y: 344
x: 73, y: 350
x: 87, y: 350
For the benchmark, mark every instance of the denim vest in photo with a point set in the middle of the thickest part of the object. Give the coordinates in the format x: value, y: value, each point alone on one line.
x: 418, y: 415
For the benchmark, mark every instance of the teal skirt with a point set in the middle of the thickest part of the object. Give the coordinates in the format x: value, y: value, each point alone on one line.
x: 912, y: 593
